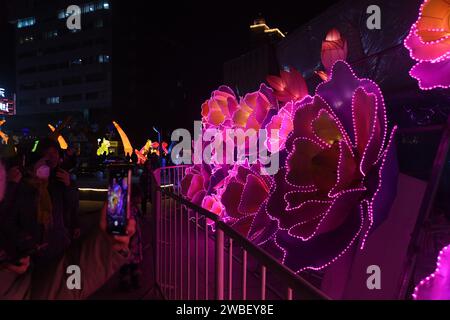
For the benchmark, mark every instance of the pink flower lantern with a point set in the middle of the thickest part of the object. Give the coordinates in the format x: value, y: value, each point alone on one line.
x: 428, y: 43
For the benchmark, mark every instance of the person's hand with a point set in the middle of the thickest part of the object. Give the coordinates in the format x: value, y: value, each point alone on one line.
x: 119, y: 243
x: 76, y: 233
x: 63, y: 176
x: 14, y: 174
x: 21, y: 268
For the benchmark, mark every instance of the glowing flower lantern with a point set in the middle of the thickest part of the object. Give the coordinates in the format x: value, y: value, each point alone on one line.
x: 437, y: 285
x: 339, y: 178
x: 195, y: 183
x: 61, y: 141
x: 334, y: 48
x: 253, y: 110
x: 251, y: 113
x: 290, y: 86
x: 219, y: 109
x: 243, y: 195
x: 283, y: 123
x: 127, y: 148
x: 428, y: 43
x: 212, y: 204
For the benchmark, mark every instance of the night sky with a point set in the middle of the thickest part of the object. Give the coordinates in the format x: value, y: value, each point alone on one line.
x: 190, y: 41
x: 7, y: 49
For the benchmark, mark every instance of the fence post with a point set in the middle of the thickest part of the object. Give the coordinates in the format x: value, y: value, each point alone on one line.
x: 156, y: 217
x: 219, y: 263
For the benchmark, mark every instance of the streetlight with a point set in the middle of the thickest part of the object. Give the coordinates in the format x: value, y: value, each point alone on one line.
x: 159, y: 134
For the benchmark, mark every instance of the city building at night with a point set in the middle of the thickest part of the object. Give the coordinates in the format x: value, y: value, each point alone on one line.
x: 247, y: 71
x: 59, y: 70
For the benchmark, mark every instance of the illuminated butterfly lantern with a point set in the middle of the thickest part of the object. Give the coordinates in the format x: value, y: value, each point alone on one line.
x: 428, y: 43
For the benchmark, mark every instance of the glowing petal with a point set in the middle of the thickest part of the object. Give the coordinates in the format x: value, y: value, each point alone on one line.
x: 326, y: 129
x: 231, y: 199
x: 290, y: 86
x: 334, y: 48
x: 300, y: 166
x: 254, y: 194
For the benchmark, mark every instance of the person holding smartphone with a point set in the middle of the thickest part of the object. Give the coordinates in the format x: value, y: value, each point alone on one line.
x: 64, y: 196
x: 99, y: 255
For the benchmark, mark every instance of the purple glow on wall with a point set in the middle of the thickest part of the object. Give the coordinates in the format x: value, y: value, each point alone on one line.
x: 437, y: 285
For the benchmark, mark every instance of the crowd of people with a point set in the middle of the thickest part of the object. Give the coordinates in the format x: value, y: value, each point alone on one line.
x: 40, y: 229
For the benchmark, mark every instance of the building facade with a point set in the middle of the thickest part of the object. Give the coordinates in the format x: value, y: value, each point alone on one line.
x: 59, y: 70
x: 246, y: 72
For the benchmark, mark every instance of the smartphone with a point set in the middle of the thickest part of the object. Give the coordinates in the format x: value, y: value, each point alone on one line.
x: 119, y: 193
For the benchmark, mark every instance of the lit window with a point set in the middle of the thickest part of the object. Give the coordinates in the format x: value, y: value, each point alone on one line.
x: 90, y: 7
x: 87, y: 8
x: 77, y: 61
x: 26, y: 39
x: 103, y: 58
x: 62, y: 14
x: 52, y: 100
x: 27, y: 22
x: 51, y: 34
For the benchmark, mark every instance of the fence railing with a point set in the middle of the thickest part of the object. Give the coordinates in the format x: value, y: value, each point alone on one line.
x: 200, y: 257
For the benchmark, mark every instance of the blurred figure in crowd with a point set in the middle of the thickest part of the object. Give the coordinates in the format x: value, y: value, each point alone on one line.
x: 146, y: 179
x: 130, y: 273
x: 63, y: 191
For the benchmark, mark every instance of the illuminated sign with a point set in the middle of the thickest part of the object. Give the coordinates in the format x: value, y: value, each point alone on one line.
x: 7, y: 106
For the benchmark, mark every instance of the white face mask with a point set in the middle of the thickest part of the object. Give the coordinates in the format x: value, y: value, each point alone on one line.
x: 43, y: 172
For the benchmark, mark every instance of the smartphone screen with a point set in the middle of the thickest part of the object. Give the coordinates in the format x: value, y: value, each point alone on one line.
x: 118, y: 198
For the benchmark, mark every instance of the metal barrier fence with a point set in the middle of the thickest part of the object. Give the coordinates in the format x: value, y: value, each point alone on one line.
x: 199, y: 257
